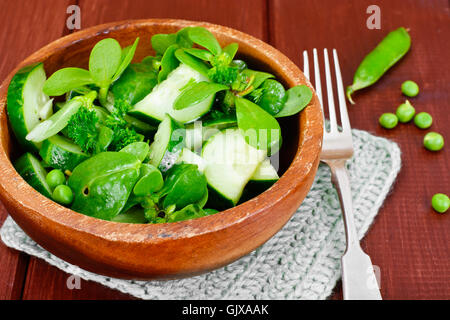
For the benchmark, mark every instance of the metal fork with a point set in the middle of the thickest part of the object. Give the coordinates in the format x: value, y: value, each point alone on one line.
x: 358, y: 277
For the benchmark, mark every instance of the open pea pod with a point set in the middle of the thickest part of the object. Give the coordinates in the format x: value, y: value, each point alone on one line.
x: 103, y: 183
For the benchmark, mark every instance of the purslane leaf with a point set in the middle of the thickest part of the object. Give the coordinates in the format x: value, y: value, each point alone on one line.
x: 205, y: 38
x: 66, y: 79
x: 205, y: 55
x: 258, y: 78
x: 298, y: 98
x: 126, y: 57
x: 231, y: 50
x: 168, y: 62
x: 260, y: 129
x: 191, y: 61
x: 196, y: 93
x: 160, y: 42
x: 105, y: 60
x: 183, y: 39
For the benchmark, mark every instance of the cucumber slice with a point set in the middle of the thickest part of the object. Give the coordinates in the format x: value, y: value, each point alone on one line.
x: 61, y: 153
x: 263, y: 178
x: 230, y: 163
x: 197, y: 133
x: 55, y: 123
x: 161, y: 100
x: 27, y: 105
x: 189, y: 157
x: 32, y: 171
x: 169, y: 140
x: 265, y: 172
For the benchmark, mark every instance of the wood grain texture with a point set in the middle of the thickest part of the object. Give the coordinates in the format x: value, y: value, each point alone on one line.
x: 247, y: 16
x: 408, y: 241
x: 18, y: 40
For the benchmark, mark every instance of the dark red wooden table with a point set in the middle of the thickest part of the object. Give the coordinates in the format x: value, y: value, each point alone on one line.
x: 408, y: 240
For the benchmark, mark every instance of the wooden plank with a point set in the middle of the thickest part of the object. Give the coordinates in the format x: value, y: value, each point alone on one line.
x: 23, y: 32
x: 408, y: 241
x: 248, y: 16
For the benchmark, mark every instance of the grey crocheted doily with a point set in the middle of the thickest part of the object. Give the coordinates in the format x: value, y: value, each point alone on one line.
x: 302, y: 261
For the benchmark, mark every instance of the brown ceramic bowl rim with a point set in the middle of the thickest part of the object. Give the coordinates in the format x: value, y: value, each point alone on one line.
x: 310, y: 138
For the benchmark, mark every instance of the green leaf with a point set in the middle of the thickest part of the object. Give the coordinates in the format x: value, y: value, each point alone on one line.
x: 231, y: 50
x: 206, y: 39
x: 192, y: 62
x: 260, y: 129
x: 273, y: 96
x: 134, y: 84
x: 138, y: 149
x: 102, y: 184
x: 178, y: 188
x: 150, y: 180
x: 191, y: 211
x: 65, y: 80
x: 127, y: 56
x: 205, y: 55
x: 183, y: 39
x: 168, y: 62
x: 104, y: 61
x: 160, y: 42
x: 253, y: 80
x: 105, y: 137
x: 298, y: 98
x: 196, y: 93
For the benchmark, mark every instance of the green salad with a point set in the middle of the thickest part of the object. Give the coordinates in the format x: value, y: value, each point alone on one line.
x: 182, y: 134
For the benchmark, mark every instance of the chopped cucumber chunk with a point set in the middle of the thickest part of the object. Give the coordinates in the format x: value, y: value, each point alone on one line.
x: 161, y: 100
x: 27, y: 104
x: 230, y: 163
x: 61, y: 153
x: 169, y: 140
x: 32, y: 171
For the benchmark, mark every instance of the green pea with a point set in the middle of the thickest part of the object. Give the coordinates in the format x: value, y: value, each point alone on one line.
x: 410, y: 88
x: 433, y: 141
x: 388, y: 120
x: 405, y: 112
x: 63, y: 194
x: 55, y: 178
x: 423, y: 120
x: 440, y: 202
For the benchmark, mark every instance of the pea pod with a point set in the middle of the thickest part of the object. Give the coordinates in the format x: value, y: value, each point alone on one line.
x: 390, y: 50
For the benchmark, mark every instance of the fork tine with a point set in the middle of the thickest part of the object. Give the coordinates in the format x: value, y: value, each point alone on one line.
x: 318, y: 85
x: 305, y: 64
x: 345, y: 122
x: 331, y: 108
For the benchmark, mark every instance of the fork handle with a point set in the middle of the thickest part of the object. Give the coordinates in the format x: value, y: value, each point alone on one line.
x: 358, y: 277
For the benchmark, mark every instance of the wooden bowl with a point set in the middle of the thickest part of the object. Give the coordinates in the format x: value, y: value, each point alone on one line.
x: 172, y: 250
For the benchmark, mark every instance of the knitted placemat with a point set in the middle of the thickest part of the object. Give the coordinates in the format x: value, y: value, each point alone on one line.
x: 302, y: 261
